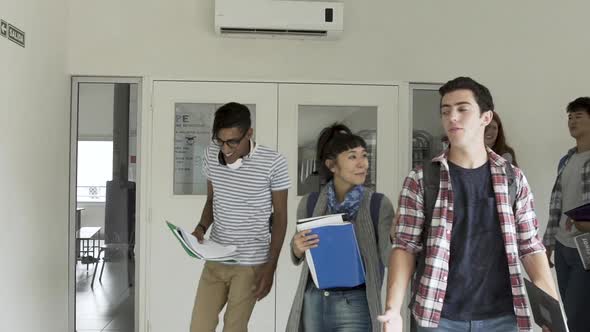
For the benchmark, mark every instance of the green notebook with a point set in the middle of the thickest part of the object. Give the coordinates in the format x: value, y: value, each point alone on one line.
x: 208, y: 250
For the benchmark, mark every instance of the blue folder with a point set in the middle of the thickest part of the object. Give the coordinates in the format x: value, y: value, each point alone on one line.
x: 581, y: 213
x: 337, y: 260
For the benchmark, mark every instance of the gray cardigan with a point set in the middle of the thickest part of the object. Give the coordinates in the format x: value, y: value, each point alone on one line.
x: 373, y: 254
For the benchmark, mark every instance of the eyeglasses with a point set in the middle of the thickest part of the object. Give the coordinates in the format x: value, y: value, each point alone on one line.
x: 232, y: 143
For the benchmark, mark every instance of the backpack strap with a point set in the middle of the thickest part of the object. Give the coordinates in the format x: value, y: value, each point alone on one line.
x: 511, y: 185
x: 312, y: 199
x: 562, y: 162
x: 374, y: 208
x: 431, y: 182
x: 376, y: 199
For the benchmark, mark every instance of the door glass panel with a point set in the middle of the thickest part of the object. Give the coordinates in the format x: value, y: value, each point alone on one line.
x: 427, y: 134
x: 105, y: 206
x: 362, y: 120
x: 193, y: 123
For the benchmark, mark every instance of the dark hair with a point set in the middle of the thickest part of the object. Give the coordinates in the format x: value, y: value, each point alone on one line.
x: 232, y: 115
x: 579, y: 104
x: 482, y: 95
x: 500, y: 146
x: 332, y: 141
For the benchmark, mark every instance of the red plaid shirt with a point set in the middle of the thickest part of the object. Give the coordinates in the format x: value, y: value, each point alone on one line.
x: 519, y: 230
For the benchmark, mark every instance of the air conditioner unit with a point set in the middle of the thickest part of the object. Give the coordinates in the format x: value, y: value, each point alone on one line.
x: 279, y: 18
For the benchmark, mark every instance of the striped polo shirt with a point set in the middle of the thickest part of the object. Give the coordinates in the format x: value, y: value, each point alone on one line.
x: 242, y: 201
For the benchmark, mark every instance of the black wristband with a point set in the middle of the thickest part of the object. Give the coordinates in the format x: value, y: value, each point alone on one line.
x: 203, y: 227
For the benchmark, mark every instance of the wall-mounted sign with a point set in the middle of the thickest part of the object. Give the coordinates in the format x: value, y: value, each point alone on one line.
x: 13, y: 33
x: 3, y: 28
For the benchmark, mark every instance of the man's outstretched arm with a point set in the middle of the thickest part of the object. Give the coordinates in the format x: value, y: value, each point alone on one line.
x: 401, y: 268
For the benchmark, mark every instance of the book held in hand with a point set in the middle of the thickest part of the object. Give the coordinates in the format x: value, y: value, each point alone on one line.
x: 580, y: 213
x: 546, y: 309
x: 583, y: 244
x: 337, y: 261
x: 208, y: 250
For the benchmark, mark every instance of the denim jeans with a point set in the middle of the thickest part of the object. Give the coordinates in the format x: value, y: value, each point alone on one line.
x: 574, y: 287
x: 500, y: 324
x: 337, y: 311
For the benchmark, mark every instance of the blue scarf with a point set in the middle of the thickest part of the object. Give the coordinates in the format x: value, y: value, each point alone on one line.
x: 351, y: 203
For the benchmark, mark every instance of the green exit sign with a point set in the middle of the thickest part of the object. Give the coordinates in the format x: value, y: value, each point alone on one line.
x: 13, y: 33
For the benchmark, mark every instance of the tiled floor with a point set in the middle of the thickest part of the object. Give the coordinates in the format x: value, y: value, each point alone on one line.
x: 110, y: 306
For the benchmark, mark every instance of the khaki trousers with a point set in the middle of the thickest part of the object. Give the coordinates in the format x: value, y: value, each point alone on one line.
x: 222, y: 284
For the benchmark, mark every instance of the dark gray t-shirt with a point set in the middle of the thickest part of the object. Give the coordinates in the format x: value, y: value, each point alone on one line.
x: 479, y: 283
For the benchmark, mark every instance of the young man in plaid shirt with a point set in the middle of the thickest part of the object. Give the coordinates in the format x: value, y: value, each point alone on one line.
x: 571, y: 189
x: 472, y: 280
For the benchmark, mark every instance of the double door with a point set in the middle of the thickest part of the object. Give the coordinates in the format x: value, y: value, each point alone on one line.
x: 286, y: 117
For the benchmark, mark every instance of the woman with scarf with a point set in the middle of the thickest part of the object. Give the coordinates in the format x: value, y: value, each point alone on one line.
x: 344, y: 165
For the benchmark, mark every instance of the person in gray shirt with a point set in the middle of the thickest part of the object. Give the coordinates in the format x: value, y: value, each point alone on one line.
x: 571, y: 189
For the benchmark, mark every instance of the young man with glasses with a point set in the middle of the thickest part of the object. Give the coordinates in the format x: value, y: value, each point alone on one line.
x: 246, y: 182
x: 468, y: 277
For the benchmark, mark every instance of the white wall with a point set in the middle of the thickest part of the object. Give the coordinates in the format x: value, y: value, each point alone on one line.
x: 531, y: 54
x: 533, y: 68
x: 34, y: 150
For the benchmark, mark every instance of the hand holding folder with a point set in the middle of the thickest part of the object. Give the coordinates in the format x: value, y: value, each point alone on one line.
x: 208, y: 250
x: 337, y: 261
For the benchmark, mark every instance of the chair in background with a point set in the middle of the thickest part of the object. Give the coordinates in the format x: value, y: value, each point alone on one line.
x: 119, y: 227
x: 110, y: 250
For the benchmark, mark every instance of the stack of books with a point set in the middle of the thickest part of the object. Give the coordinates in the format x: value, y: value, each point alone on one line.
x: 336, y: 262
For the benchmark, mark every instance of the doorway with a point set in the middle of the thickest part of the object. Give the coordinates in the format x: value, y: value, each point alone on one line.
x: 286, y: 117
x: 103, y: 182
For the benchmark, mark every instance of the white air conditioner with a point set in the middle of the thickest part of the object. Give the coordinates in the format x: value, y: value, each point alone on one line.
x: 279, y: 18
